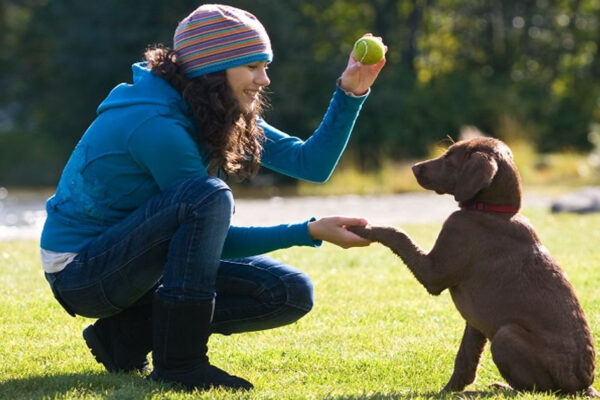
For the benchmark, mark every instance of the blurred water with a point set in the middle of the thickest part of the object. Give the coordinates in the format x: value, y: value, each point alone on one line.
x: 22, y: 212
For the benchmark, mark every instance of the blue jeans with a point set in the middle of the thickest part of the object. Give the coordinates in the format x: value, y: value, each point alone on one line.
x: 173, y: 244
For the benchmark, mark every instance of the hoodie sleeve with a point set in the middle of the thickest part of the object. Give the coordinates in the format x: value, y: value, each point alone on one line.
x: 249, y: 241
x: 165, y: 149
x: 316, y: 158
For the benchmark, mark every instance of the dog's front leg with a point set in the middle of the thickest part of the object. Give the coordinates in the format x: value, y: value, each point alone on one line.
x: 467, y: 360
x: 416, y: 260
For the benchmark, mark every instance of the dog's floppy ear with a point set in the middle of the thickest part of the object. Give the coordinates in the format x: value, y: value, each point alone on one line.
x: 477, y: 173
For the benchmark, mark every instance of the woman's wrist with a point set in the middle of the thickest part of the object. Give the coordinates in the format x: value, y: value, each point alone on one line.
x: 349, y: 92
x: 312, y: 230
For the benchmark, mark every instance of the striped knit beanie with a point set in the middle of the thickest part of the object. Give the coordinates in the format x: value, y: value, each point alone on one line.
x: 215, y: 37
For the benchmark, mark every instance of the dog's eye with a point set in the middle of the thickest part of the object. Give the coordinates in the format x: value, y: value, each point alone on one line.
x: 449, y: 161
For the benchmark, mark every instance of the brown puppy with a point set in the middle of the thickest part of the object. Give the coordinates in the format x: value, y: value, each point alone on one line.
x: 503, y: 281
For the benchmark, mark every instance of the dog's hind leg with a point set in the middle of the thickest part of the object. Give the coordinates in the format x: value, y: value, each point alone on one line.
x: 467, y: 359
x: 517, y: 357
x: 591, y: 393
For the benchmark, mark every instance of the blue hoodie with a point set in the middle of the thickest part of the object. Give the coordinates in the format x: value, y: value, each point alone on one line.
x: 141, y: 142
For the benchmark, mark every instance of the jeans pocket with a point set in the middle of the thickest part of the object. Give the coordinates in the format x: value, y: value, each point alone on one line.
x: 51, y: 278
x: 89, y: 301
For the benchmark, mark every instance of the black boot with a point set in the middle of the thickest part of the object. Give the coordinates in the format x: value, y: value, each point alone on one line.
x: 180, y: 331
x: 122, y: 341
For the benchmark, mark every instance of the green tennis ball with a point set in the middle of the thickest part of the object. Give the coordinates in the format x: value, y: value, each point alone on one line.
x: 369, y: 50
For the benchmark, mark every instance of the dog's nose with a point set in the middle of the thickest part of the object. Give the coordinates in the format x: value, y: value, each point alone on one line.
x: 416, y: 169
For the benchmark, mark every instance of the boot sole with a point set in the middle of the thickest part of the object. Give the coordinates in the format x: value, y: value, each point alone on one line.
x: 191, y: 382
x: 97, y: 348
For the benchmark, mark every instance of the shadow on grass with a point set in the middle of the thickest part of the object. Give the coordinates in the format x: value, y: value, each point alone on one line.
x: 131, y: 386
x: 466, y: 395
x: 107, y: 386
x: 490, y: 393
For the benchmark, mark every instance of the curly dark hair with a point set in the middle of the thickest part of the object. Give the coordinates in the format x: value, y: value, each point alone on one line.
x: 230, y: 135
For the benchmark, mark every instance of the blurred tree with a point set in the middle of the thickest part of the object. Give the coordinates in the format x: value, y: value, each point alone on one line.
x: 450, y: 63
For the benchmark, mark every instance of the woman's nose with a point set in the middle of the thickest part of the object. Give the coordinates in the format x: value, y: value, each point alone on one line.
x: 262, y: 78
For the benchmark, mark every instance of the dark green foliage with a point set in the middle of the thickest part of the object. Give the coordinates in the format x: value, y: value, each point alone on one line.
x: 451, y: 63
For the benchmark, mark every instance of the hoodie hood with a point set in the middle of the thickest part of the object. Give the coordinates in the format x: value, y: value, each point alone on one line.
x: 147, y: 89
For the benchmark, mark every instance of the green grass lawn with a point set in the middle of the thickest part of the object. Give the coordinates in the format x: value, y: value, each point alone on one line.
x: 374, y: 333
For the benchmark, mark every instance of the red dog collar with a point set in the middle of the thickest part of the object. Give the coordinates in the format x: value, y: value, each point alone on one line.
x: 477, y: 206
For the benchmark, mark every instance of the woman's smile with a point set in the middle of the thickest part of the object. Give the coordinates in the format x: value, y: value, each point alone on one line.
x: 247, y: 82
x: 252, y: 94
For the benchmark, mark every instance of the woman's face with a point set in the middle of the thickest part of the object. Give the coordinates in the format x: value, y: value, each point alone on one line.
x: 247, y: 81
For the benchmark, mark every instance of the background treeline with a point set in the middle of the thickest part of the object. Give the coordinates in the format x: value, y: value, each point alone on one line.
x: 526, y: 69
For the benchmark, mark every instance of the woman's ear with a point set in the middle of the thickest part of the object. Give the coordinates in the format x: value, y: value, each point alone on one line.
x: 476, y: 174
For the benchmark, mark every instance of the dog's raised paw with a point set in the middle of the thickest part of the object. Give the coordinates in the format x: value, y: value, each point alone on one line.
x: 363, y: 231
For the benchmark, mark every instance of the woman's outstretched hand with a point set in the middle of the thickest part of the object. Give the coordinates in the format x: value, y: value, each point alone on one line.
x: 357, y: 78
x: 333, y: 230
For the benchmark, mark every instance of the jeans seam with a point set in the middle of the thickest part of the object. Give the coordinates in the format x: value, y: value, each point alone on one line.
x: 184, y: 209
x: 186, y: 271
x: 263, y: 288
x: 145, y: 248
x: 257, y: 316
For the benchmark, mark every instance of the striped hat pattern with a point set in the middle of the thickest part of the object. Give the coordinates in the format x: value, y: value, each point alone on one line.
x: 215, y: 37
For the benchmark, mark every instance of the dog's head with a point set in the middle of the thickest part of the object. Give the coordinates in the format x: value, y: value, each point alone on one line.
x: 479, y: 169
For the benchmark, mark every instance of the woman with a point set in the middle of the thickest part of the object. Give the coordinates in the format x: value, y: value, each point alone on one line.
x: 138, y: 232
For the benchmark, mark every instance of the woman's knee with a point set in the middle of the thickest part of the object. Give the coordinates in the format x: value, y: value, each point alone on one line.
x: 199, y: 187
x: 300, y: 292
x: 205, y: 194
x: 294, y: 304
x: 220, y: 201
